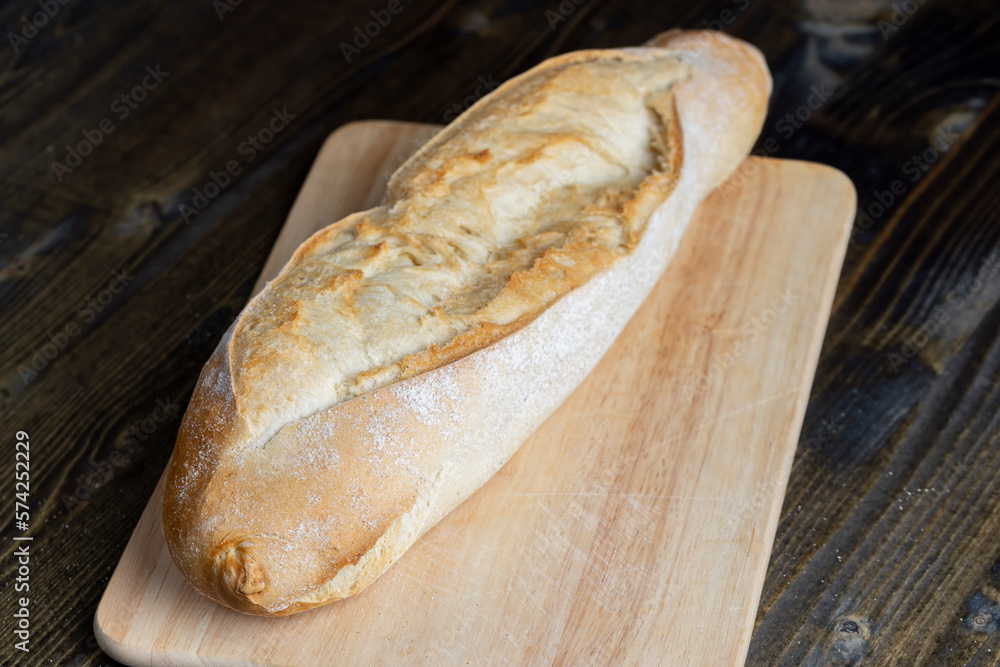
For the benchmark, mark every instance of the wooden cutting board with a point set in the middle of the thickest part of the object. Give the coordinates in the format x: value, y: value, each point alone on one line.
x: 634, y: 526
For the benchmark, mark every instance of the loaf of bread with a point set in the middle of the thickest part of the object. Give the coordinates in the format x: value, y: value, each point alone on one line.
x: 404, y: 353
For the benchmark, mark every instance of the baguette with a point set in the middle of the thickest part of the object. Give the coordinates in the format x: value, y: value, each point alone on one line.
x: 404, y: 353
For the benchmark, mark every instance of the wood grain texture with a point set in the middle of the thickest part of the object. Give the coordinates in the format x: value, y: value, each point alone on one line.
x: 649, y: 497
x: 908, y: 472
x: 890, y: 92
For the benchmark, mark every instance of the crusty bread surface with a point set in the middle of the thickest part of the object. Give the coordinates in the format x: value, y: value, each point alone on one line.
x: 404, y: 353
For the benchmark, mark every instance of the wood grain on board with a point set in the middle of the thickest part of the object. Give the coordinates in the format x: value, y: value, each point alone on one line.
x: 634, y: 526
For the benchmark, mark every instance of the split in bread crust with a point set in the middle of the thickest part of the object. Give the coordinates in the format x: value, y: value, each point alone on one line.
x: 549, y: 181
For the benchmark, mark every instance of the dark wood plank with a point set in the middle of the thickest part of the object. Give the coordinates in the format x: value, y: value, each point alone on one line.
x: 889, y: 528
x: 888, y: 532
x: 853, y: 577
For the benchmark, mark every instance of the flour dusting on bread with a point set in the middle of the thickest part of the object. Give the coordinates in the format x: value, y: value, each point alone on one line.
x: 404, y: 353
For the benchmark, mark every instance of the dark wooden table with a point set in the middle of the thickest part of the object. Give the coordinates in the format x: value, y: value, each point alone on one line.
x: 126, y: 250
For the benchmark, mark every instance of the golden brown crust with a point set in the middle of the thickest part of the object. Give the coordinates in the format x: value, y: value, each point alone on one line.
x: 384, y: 374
